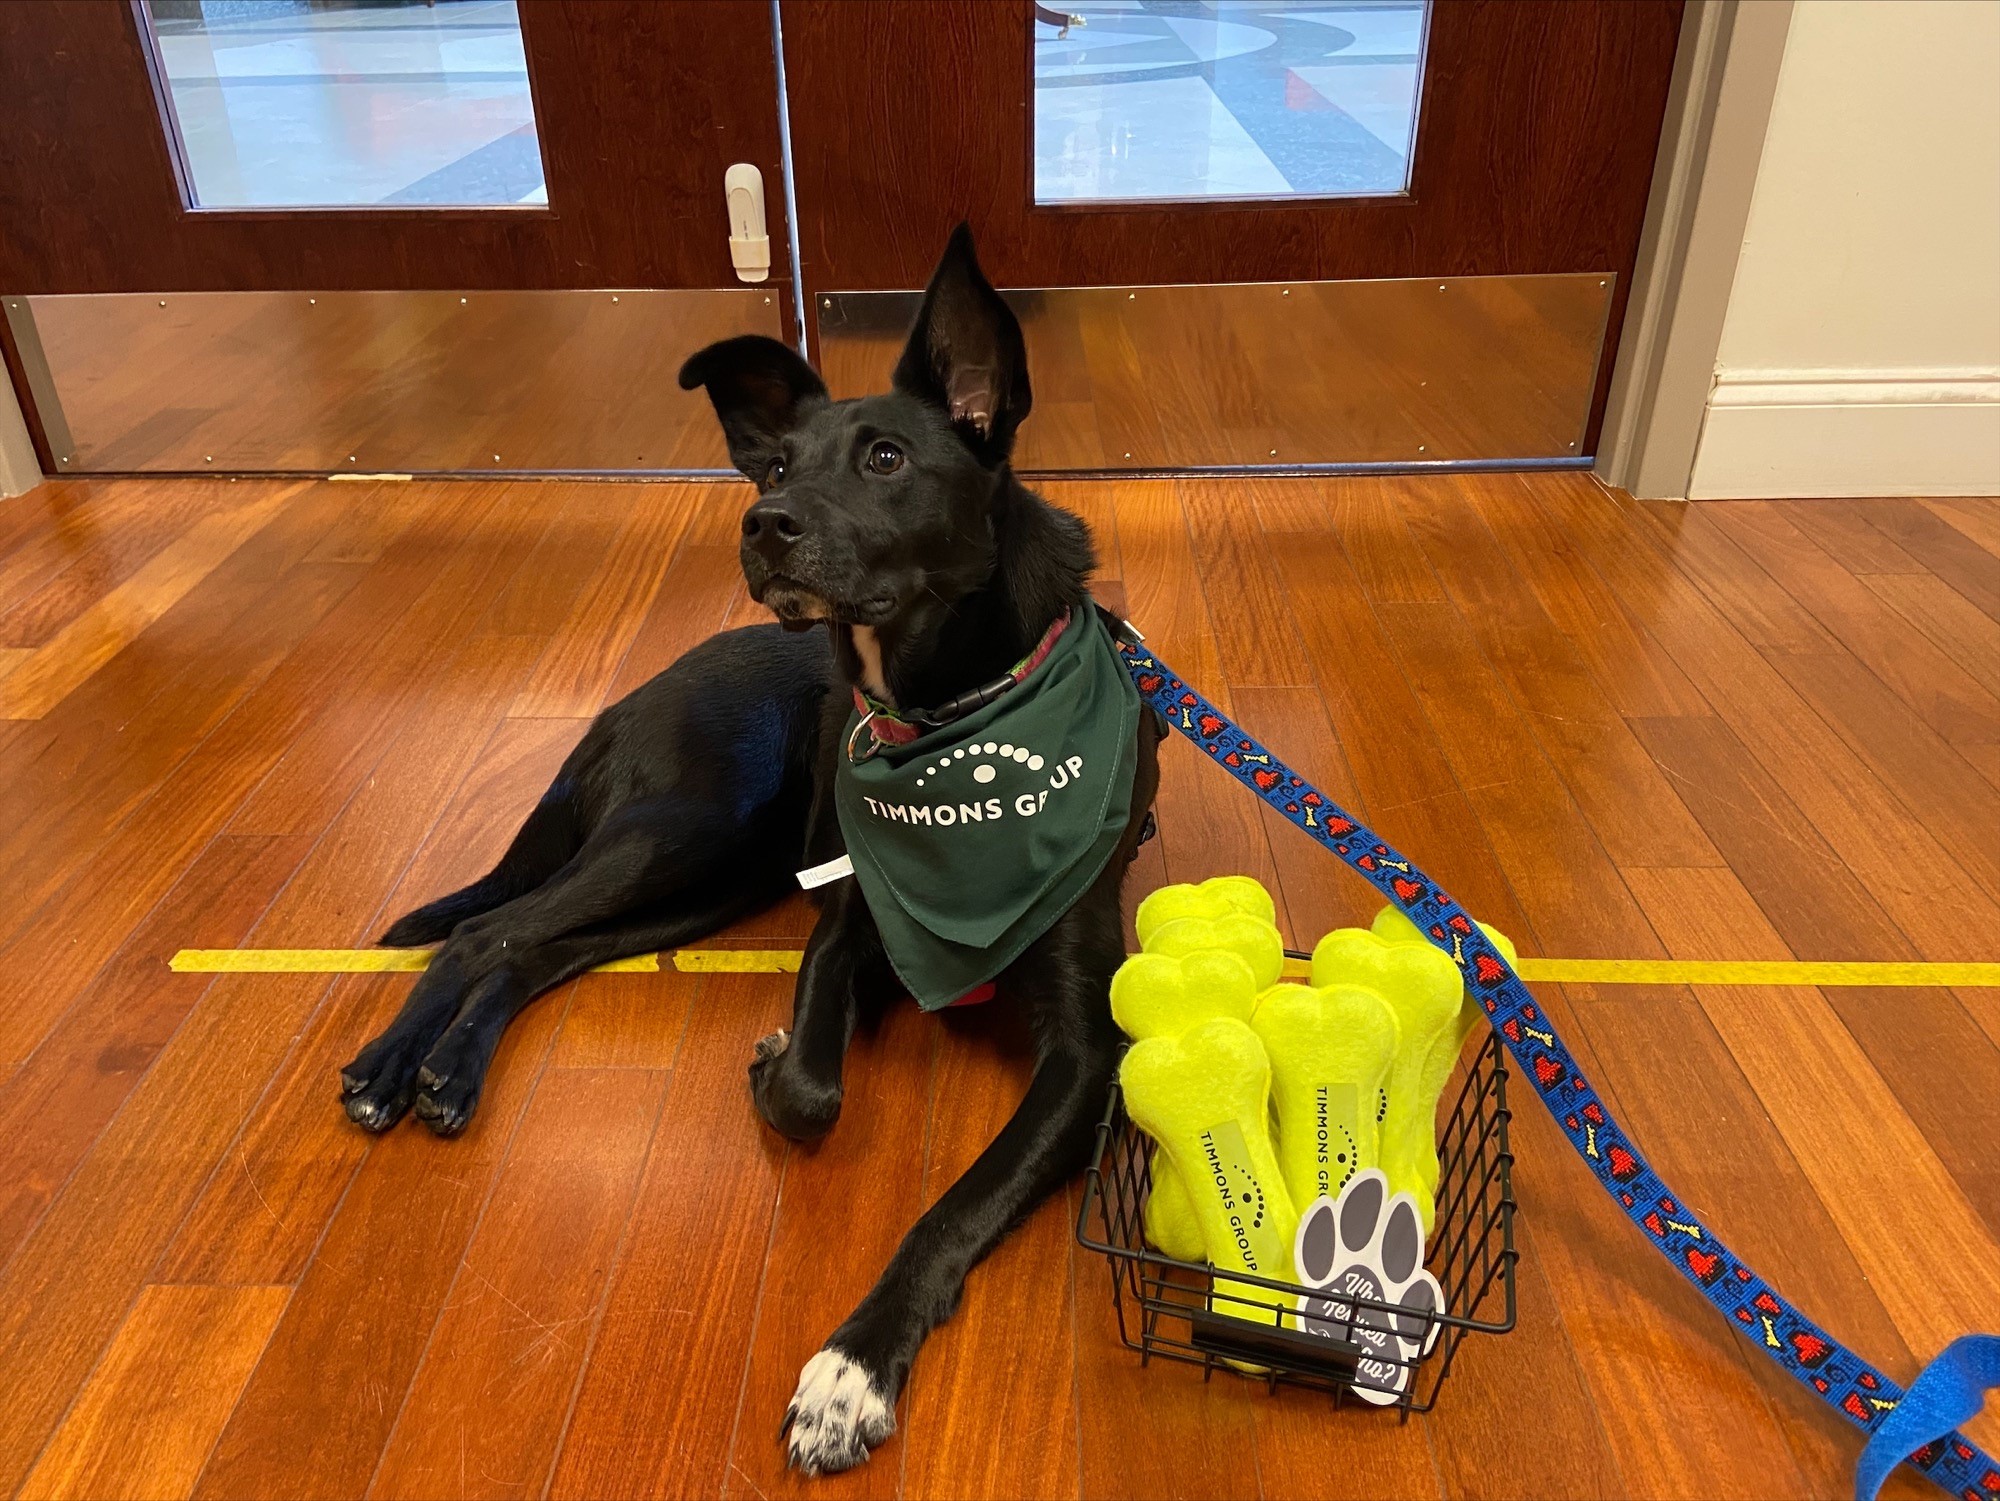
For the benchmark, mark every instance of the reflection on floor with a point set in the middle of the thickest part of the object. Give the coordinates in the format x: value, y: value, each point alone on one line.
x: 289, y: 103
x: 1174, y: 99
x: 273, y: 713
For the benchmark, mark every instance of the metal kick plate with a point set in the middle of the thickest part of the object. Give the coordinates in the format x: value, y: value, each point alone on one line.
x: 373, y: 382
x: 1278, y: 374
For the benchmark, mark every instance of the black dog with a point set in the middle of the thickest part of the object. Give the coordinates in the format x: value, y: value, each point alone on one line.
x: 896, y: 521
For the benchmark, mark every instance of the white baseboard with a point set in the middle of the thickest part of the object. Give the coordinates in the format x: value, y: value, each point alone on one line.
x: 1778, y: 433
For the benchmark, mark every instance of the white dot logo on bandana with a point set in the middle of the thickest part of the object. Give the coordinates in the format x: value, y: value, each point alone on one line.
x: 984, y: 770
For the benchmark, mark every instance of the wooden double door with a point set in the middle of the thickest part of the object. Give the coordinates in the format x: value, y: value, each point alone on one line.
x: 1282, y: 179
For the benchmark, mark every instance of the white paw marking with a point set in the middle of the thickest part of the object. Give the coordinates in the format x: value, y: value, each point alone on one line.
x: 836, y: 1415
x: 771, y: 1045
x: 1369, y: 1245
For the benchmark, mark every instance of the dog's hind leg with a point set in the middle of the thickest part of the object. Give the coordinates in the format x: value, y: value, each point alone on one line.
x: 454, y: 1073
x: 547, y: 840
x: 660, y: 857
x: 378, y: 1085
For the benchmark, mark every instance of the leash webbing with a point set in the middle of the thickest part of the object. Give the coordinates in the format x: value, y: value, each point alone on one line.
x: 1845, y: 1382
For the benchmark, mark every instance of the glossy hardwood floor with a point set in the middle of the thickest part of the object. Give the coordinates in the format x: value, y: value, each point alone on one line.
x: 275, y: 714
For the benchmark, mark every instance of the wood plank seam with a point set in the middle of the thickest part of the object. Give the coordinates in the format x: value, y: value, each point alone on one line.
x: 756, y: 1317
x: 472, y: 1232
x: 619, y: 1253
x: 1651, y: 529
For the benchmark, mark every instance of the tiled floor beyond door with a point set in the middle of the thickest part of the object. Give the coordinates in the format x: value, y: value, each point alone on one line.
x: 1204, y: 99
x: 290, y: 103
x: 276, y: 713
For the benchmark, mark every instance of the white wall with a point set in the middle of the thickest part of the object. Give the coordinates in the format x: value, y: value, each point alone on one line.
x: 19, y: 471
x: 1861, y: 350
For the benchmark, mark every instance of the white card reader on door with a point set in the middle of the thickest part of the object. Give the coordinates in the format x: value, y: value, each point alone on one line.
x: 749, y: 244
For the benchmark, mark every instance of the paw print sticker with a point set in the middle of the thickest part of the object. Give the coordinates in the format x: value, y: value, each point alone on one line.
x: 1369, y: 1245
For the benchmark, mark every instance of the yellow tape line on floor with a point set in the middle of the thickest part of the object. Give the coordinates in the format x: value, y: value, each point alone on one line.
x: 786, y: 961
x: 1756, y: 972
x: 342, y: 962
x: 1592, y: 971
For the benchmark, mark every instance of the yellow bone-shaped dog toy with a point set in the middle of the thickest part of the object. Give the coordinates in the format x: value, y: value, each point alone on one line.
x: 1252, y: 939
x: 1422, y: 986
x: 1217, y: 897
x: 1204, y: 1097
x: 1162, y: 995
x: 1158, y: 995
x: 1331, y: 1050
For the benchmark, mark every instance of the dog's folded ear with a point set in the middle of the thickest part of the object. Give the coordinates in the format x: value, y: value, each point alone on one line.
x: 966, y: 355
x: 761, y: 390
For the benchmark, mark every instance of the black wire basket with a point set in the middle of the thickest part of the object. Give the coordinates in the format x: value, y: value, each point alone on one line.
x: 1175, y: 1310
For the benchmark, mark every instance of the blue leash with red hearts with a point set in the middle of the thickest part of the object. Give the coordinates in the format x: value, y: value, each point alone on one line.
x: 1848, y: 1384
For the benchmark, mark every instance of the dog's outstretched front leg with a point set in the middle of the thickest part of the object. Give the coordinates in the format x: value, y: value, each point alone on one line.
x: 846, y: 1398
x: 795, y: 1076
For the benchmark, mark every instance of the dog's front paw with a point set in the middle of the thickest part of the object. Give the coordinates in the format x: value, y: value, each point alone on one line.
x: 790, y: 1102
x: 837, y: 1415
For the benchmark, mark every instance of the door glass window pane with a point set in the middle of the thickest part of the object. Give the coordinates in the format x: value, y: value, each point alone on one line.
x: 345, y: 103
x: 1211, y: 99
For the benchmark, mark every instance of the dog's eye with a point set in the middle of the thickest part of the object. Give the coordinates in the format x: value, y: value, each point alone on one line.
x: 775, y: 474
x: 885, y: 458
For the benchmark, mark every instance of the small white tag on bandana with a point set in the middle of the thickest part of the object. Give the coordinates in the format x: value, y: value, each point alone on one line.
x: 820, y: 875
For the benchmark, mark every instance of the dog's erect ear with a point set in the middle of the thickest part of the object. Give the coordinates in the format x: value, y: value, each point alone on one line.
x: 761, y: 390
x: 966, y: 354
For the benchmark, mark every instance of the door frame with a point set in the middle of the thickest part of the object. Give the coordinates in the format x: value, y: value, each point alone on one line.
x: 1725, y: 78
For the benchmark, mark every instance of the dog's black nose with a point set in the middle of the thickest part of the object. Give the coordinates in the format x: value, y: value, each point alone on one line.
x: 771, y: 528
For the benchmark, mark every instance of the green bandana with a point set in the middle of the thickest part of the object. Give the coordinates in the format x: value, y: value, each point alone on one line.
x: 972, y: 839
